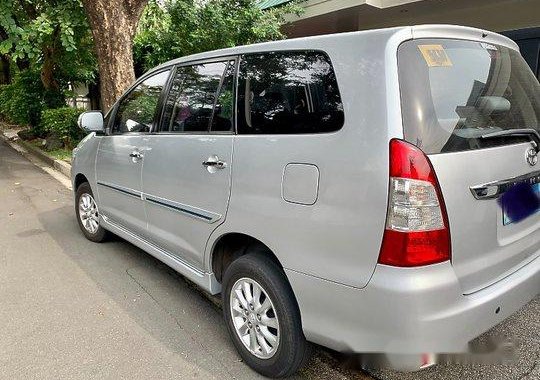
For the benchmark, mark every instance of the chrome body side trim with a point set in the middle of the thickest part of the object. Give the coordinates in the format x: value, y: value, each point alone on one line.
x: 121, y: 189
x: 188, y: 210
x: 195, y: 212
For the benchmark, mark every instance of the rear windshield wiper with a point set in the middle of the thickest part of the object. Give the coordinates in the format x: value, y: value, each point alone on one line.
x: 528, y: 132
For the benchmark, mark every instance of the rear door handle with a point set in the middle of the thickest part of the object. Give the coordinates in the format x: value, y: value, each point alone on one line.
x: 214, y: 162
x: 219, y: 164
x: 136, y: 155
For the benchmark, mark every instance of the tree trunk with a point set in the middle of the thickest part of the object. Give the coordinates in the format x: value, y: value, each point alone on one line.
x: 5, y: 72
x: 47, y: 70
x: 49, y: 65
x: 53, y: 96
x: 5, y: 62
x: 114, y: 24
x: 94, y: 96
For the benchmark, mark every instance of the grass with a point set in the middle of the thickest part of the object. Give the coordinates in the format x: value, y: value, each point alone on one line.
x: 59, y: 154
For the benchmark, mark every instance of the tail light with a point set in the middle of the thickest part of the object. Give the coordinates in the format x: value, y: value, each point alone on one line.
x: 417, y: 231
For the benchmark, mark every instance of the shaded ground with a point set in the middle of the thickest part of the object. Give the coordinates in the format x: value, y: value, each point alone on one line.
x: 70, y: 308
x: 523, y: 328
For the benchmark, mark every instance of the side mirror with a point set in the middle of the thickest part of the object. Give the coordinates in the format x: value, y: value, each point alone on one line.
x: 91, y: 121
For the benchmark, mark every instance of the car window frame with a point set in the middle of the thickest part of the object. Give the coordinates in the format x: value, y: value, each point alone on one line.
x: 227, y: 58
x: 292, y: 51
x: 114, y: 109
x: 237, y: 58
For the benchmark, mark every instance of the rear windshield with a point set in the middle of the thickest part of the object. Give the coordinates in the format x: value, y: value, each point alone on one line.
x: 455, y: 91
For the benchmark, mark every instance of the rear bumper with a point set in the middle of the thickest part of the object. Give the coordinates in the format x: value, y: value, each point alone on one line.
x: 408, y: 311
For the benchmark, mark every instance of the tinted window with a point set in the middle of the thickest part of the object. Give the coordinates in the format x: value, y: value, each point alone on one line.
x: 288, y: 93
x: 190, y: 104
x: 454, y: 92
x: 222, y: 120
x: 136, y: 111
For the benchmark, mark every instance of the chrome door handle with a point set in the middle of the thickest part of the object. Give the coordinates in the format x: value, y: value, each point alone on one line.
x: 219, y: 164
x: 214, y: 162
x: 136, y: 155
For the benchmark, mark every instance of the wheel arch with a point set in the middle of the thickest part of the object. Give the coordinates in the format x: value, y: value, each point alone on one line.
x: 79, y: 180
x: 232, y: 245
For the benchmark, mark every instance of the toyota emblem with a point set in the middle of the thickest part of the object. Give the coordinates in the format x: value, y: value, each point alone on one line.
x: 532, y: 157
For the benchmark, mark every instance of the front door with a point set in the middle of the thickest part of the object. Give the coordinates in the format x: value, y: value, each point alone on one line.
x: 121, y: 155
x: 187, y: 166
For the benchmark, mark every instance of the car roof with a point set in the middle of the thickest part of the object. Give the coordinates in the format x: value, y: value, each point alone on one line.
x: 332, y: 40
x: 311, y: 42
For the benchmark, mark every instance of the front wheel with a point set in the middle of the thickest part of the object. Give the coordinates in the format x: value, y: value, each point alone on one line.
x: 262, y: 316
x: 87, y: 213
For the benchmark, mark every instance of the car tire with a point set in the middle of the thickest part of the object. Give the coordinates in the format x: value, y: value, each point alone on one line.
x: 275, y: 351
x: 87, y: 213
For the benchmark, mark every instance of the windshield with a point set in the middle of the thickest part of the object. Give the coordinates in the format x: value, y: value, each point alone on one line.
x: 455, y: 91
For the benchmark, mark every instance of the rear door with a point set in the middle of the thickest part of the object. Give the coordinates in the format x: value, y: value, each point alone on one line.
x: 455, y: 93
x: 187, y: 167
x: 121, y: 155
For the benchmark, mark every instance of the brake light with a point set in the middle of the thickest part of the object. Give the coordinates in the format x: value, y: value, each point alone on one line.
x: 417, y: 231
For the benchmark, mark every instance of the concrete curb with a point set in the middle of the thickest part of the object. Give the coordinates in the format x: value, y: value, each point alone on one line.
x: 62, y: 166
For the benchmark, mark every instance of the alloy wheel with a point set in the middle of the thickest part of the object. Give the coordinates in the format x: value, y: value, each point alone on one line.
x: 88, y: 213
x: 254, y: 318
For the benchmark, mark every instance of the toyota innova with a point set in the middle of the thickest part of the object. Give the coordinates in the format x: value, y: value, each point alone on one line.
x: 371, y: 192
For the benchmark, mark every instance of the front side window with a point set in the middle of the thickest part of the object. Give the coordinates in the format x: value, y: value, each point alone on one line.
x: 136, y: 111
x: 288, y: 93
x: 454, y: 92
x: 193, y: 98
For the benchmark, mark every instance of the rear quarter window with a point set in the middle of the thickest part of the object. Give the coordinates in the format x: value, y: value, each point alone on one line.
x: 288, y: 93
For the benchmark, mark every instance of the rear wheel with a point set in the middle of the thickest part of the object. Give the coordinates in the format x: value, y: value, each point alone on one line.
x: 262, y: 316
x: 87, y: 212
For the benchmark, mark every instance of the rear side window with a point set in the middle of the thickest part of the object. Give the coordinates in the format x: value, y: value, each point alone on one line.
x: 453, y: 92
x: 201, y: 96
x: 288, y: 93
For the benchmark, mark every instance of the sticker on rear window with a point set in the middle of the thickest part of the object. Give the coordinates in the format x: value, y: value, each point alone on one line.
x: 435, y: 55
x: 488, y: 46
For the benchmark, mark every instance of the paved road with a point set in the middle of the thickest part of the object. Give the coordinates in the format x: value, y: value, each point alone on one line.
x: 73, y: 309
x: 70, y: 308
x: 523, y: 328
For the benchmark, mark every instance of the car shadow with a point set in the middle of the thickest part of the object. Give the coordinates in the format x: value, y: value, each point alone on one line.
x: 167, y: 305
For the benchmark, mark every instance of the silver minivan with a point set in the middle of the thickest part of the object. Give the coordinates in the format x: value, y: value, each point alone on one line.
x: 371, y: 192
